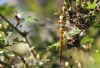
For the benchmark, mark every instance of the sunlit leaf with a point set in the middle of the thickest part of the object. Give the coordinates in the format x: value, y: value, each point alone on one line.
x: 6, y: 9
x: 87, y: 39
x: 97, y: 58
x: 74, y: 31
x: 91, y: 5
x: 53, y: 46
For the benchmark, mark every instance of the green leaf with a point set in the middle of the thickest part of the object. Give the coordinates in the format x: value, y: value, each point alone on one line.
x: 2, y: 39
x: 77, y: 0
x: 87, y: 39
x: 53, y: 46
x: 91, y: 5
x: 74, y: 31
x: 6, y: 9
x: 96, y: 56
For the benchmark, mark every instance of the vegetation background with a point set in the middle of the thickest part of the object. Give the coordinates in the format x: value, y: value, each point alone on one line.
x: 32, y: 40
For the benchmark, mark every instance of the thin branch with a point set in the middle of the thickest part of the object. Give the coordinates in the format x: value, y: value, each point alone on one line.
x: 31, y: 50
x: 22, y: 59
x: 22, y: 34
x: 3, y: 17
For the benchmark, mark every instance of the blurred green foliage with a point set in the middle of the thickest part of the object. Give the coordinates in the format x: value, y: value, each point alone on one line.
x: 46, y: 52
x: 89, y: 5
x: 2, y: 40
x: 6, y: 9
x: 87, y: 39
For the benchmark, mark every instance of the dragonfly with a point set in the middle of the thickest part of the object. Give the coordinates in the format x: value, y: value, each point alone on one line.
x: 53, y: 29
x: 30, y: 23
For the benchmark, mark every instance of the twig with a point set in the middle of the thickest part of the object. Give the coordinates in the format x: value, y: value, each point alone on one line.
x: 3, y: 17
x: 31, y: 51
x: 22, y: 34
x: 22, y: 59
